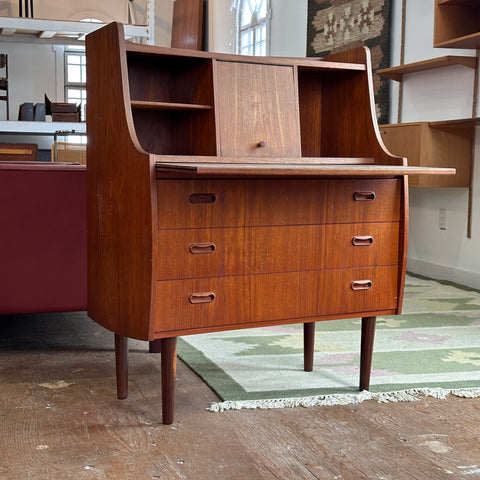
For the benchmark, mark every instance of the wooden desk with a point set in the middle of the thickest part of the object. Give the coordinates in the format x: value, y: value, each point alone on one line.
x: 230, y: 192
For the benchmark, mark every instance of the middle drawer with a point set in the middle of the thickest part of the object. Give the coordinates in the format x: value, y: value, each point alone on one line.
x: 211, y: 252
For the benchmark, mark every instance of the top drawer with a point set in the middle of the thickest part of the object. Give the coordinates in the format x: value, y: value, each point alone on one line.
x: 192, y: 203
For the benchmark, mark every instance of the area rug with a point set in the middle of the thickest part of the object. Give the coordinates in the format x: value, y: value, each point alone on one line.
x: 338, y: 25
x: 433, y: 348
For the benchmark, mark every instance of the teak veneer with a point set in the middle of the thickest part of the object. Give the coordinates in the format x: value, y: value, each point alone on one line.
x: 229, y: 192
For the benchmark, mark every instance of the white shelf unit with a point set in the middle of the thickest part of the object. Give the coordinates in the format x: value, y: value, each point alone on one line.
x: 37, y: 30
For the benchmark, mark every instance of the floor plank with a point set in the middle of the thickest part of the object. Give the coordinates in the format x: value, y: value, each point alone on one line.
x: 60, y: 419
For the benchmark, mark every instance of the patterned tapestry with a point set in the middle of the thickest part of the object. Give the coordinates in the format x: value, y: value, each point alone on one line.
x: 337, y: 25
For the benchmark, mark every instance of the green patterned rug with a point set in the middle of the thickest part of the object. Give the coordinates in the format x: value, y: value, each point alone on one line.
x: 433, y: 348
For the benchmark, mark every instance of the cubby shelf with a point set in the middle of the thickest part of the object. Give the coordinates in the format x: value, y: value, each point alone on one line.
x: 457, y: 24
x: 145, y: 105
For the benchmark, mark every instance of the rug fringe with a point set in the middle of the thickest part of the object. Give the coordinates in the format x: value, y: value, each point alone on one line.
x: 345, y: 399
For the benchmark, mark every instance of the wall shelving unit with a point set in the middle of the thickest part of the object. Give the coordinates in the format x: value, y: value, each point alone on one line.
x: 448, y: 142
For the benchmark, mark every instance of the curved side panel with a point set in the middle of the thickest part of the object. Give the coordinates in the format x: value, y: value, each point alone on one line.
x: 349, y: 105
x: 119, y: 175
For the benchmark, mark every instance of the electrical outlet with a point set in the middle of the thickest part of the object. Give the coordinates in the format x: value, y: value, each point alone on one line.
x: 442, y: 218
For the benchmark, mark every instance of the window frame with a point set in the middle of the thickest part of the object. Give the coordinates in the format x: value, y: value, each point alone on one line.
x: 81, y: 85
x: 253, y: 26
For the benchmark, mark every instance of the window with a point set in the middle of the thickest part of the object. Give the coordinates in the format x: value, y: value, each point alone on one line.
x: 76, y: 74
x: 76, y: 77
x: 253, y: 27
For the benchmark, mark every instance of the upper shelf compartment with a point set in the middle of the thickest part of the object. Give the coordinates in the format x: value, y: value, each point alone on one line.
x: 172, y: 103
x: 457, y: 24
x: 36, y: 30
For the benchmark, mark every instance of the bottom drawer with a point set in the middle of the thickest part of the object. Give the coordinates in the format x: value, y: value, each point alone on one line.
x: 236, y: 300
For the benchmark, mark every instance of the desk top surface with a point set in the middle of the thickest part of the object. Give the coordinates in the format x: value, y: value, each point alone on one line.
x: 294, y: 169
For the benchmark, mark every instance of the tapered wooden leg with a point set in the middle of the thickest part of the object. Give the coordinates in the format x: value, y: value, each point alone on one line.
x: 366, y: 351
x: 169, y: 366
x: 121, y: 363
x: 308, y: 345
x: 155, y: 346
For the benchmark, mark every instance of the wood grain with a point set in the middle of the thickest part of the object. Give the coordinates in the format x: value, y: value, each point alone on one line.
x: 277, y: 202
x: 253, y: 250
x: 432, y: 147
x: 259, y: 115
x: 243, y: 300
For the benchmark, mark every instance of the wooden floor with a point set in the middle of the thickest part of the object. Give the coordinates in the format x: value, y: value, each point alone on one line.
x: 60, y: 419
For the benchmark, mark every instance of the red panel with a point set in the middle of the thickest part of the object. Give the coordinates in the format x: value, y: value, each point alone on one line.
x: 43, y: 254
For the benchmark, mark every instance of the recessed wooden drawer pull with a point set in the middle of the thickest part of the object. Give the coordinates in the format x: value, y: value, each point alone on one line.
x: 363, y: 196
x: 204, y: 297
x: 203, y: 198
x: 197, y: 248
x: 361, y: 284
x: 362, y: 240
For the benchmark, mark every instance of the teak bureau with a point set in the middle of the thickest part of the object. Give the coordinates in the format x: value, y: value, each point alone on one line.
x: 229, y: 192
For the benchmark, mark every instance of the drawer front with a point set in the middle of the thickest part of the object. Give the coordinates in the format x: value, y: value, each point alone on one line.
x: 223, y: 301
x: 219, y: 203
x: 209, y: 252
x: 376, y: 200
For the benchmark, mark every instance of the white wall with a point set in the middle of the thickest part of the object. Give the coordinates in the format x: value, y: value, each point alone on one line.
x: 288, y: 27
x: 440, y: 94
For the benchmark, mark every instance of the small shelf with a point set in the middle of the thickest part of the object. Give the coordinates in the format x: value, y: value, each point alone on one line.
x: 55, y: 31
x: 468, y: 41
x: 462, y: 126
x: 457, y: 24
x: 464, y: 3
x: 397, y: 73
x: 39, y: 128
x: 145, y: 105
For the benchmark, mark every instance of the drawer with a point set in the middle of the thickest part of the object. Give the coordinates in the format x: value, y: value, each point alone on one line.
x: 209, y: 252
x: 369, y: 200
x: 227, y: 301
x: 191, y: 203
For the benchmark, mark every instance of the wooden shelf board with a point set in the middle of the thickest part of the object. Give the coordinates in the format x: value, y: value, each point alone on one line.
x: 35, y: 29
x: 463, y: 126
x: 397, y: 73
x: 323, y: 170
x: 145, y: 105
x: 463, y: 3
x: 39, y: 128
x: 460, y: 122
x: 187, y: 159
x: 468, y: 41
x: 40, y: 166
x: 304, y: 64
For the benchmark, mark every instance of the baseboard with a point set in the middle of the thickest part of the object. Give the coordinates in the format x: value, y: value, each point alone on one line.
x: 444, y: 272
